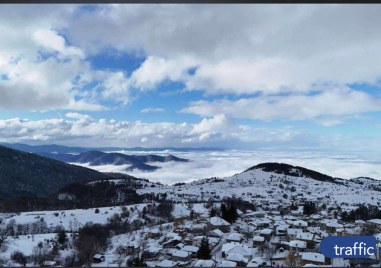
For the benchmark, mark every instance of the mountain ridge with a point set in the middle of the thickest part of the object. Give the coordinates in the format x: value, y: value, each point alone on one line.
x: 28, y: 174
x: 98, y: 158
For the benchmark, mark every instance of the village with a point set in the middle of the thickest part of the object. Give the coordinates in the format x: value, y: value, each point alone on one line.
x: 254, y: 219
x: 256, y: 239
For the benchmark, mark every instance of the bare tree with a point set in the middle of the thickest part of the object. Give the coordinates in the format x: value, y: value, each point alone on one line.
x: 292, y: 260
x: 3, y: 237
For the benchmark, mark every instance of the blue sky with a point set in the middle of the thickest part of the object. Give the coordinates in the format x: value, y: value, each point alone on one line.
x: 246, y: 77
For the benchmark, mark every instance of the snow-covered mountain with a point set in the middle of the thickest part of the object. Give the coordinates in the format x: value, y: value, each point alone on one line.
x: 272, y: 181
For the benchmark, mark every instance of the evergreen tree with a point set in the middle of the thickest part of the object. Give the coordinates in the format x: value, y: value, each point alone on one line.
x: 224, y: 212
x: 204, y: 251
x: 232, y: 212
x: 212, y: 212
x: 309, y: 208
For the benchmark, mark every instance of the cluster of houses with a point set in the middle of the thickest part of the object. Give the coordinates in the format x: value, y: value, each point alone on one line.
x: 256, y: 239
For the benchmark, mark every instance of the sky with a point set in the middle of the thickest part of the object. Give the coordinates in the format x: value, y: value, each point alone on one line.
x: 265, y: 77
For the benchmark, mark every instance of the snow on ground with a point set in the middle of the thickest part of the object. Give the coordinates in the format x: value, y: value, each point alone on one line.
x: 72, y: 219
x: 24, y: 243
x: 266, y: 185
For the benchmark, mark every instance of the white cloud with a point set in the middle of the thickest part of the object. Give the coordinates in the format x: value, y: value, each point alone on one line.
x: 155, y: 70
x: 52, y: 40
x: 209, y: 132
x: 210, y: 125
x: 152, y: 110
x: 243, y: 48
x: 281, y: 53
x: 326, y: 107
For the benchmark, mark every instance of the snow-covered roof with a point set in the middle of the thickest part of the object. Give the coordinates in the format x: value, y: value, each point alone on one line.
x: 255, y: 262
x: 237, y: 258
x: 204, y: 263
x: 335, y: 225
x: 258, y: 238
x: 234, y: 237
x: 181, y: 253
x: 375, y: 221
x: 294, y: 231
x: 305, y: 236
x: 235, y: 247
x: 300, y: 223
x: 217, y: 232
x: 297, y: 244
x: 280, y: 255
x: 266, y: 232
x: 192, y: 249
x: 217, y: 221
x: 282, y: 227
x: 228, y: 264
x: 312, y: 256
x: 166, y: 263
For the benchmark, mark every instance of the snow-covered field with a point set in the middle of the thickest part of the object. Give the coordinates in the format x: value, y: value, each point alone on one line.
x: 71, y: 219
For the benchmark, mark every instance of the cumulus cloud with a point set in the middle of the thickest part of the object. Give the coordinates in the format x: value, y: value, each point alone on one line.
x: 241, y: 49
x: 52, y: 40
x: 325, y: 107
x: 78, y: 128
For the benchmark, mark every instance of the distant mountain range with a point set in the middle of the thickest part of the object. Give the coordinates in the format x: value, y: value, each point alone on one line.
x: 97, y: 158
x: 27, y: 174
x: 61, y: 149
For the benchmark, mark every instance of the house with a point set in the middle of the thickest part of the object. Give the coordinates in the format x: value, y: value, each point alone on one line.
x: 181, y: 255
x: 237, y: 258
x: 292, y: 233
x: 258, y: 262
x: 300, y: 224
x: 228, y: 264
x: 333, y: 227
x: 204, y: 263
x: 218, y: 223
x: 374, y: 225
x: 297, y: 245
x: 98, y: 258
x: 234, y: 237
x: 281, y: 229
x: 234, y: 247
x: 198, y: 229
x: 258, y: 240
x: 216, y: 233
x: 49, y: 263
x: 280, y: 255
x: 266, y: 233
x: 308, y: 238
x: 312, y: 258
x: 154, y: 233
x: 166, y: 263
x: 191, y: 249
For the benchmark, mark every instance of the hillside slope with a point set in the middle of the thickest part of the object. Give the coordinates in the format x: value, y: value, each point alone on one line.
x: 269, y: 182
x: 27, y: 174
